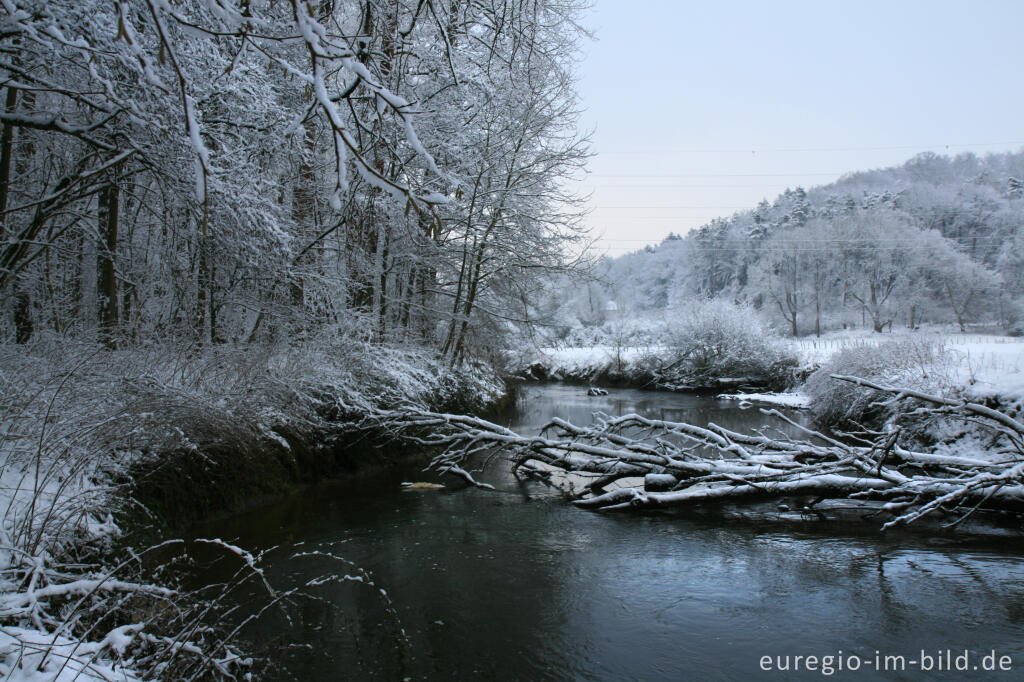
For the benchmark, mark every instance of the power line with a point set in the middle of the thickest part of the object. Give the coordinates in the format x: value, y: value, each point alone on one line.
x: 811, y: 149
x: 668, y: 217
x: 865, y: 240
x: 942, y: 214
x: 807, y: 249
x: 648, y: 186
x: 713, y: 175
x: 672, y: 208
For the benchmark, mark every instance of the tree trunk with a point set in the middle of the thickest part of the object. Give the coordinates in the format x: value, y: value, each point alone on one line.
x: 6, y: 154
x: 203, y: 294
x: 817, y: 298
x: 23, y: 326
x: 302, y: 209
x: 106, y: 280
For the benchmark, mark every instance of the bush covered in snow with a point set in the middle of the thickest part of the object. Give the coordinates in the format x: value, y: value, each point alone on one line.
x: 924, y: 365
x: 79, y: 423
x: 716, y: 339
x: 627, y: 332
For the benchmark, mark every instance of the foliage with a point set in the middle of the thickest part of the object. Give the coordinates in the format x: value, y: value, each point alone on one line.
x: 207, y: 426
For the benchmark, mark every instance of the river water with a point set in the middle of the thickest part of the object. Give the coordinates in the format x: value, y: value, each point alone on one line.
x: 518, y: 584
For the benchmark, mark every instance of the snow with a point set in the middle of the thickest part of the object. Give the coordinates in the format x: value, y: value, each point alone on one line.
x: 70, y: 416
x: 576, y: 361
x: 976, y: 365
x: 817, y: 350
x: 202, y: 165
x: 21, y: 602
x: 981, y: 365
x: 993, y: 368
x: 792, y: 400
x: 28, y: 655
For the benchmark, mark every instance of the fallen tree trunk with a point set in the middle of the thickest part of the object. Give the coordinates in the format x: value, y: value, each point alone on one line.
x: 692, y: 465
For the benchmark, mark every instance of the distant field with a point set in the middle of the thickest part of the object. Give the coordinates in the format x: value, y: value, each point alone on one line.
x: 988, y: 364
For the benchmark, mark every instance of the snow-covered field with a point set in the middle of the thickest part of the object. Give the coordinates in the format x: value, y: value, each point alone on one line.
x: 576, y: 361
x: 984, y: 365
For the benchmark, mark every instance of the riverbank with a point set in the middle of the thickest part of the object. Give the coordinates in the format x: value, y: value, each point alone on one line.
x: 989, y: 363
x: 103, y: 450
x: 649, y: 367
x: 989, y: 368
x: 100, y: 442
x: 923, y: 416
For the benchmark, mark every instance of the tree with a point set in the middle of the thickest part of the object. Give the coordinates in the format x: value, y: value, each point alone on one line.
x: 967, y: 287
x: 874, y: 243
x: 781, y: 274
x: 247, y: 171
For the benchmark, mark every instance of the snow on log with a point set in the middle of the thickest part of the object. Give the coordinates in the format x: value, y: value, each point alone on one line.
x: 683, y: 464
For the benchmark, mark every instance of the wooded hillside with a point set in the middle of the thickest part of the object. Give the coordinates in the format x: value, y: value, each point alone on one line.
x: 936, y: 240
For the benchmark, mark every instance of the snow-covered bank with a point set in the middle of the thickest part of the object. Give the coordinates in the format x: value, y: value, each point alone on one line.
x: 956, y: 367
x: 979, y: 366
x: 797, y: 401
x: 714, y: 345
x: 987, y: 368
x: 96, y: 442
x: 654, y: 367
x: 586, y: 365
x: 974, y: 366
x: 978, y: 351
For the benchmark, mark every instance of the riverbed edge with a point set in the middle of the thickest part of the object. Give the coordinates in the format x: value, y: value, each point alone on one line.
x: 184, y: 487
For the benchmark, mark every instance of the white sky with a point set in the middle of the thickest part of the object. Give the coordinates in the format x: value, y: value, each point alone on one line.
x: 703, y: 109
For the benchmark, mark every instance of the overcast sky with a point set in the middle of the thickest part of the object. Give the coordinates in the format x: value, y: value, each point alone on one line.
x: 703, y: 109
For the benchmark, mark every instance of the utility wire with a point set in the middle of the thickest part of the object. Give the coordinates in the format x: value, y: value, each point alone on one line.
x: 712, y: 175
x: 811, y: 149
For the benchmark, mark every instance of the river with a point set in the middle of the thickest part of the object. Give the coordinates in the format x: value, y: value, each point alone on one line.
x: 519, y: 584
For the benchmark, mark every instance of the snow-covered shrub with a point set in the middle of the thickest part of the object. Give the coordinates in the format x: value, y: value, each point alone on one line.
x: 186, y: 430
x: 73, y: 604
x: 626, y: 332
x: 1014, y: 315
x: 719, y: 339
x: 920, y: 364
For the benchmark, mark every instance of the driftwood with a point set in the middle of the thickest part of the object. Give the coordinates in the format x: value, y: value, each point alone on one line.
x: 658, y: 464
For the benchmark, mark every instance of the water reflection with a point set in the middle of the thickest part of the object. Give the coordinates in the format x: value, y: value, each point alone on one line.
x: 498, y: 586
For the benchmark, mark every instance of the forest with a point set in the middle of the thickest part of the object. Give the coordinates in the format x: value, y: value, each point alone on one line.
x: 210, y: 173
x: 935, y: 241
x: 229, y: 230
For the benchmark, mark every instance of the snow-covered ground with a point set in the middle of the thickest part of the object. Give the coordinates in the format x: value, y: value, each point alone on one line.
x: 73, y: 416
x: 576, y: 361
x: 792, y: 400
x: 28, y: 655
x: 983, y: 365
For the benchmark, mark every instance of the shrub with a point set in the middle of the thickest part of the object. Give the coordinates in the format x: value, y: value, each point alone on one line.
x: 920, y: 364
x: 717, y: 339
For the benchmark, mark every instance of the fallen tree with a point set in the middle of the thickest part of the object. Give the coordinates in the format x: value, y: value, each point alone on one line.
x: 632, y: 462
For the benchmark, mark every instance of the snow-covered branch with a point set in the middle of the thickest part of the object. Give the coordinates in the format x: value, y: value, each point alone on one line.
x: 633, y: 462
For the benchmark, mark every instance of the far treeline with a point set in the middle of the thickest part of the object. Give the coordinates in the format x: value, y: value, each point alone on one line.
x: 213, y: 172
x: 937, y: 240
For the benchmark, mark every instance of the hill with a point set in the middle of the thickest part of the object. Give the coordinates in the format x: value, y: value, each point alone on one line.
x: 937, y: 240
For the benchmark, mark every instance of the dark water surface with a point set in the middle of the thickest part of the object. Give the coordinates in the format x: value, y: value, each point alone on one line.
x: 518, y: 584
